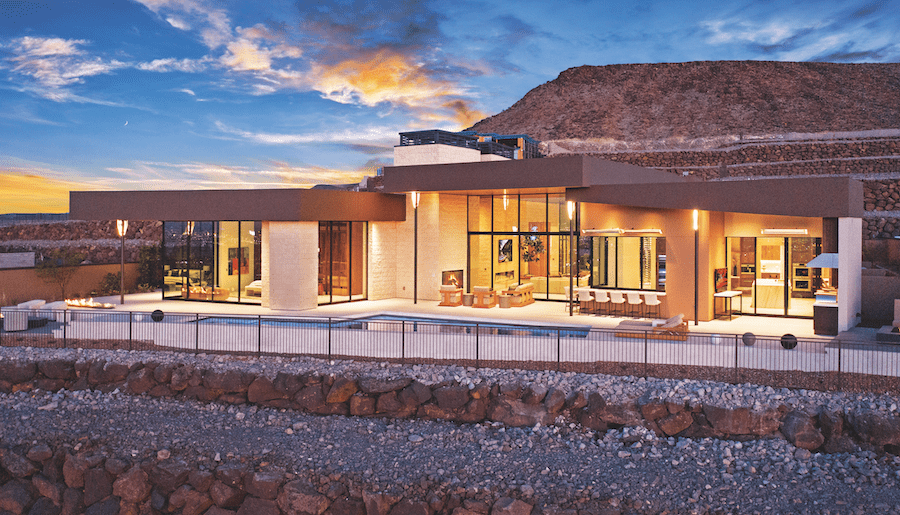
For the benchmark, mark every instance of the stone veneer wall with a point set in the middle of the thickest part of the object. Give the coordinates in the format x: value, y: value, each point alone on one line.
x: 97, y: 240
x: 382, y: 265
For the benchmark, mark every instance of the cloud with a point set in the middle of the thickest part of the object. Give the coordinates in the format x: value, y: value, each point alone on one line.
x: 213, y: 23
x: 189, y: 92
x: 355, y: 136
x: 51, y: 64
x: 171, y: 64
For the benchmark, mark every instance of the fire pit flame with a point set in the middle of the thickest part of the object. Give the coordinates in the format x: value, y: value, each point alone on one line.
x: 87, y: 303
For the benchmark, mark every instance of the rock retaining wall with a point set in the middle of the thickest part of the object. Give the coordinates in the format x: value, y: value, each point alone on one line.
x: 510, y: 404
x: 96, y: 240
x: 46, y: 478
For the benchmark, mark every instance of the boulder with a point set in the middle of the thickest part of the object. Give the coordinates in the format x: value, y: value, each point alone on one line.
x: 415, y: 394
x: 516, y: 413
x: 875, y: 428
x: 181, y: 377
x: 57, y: 369
x: 382, y: 385
x: 555, y: 400
x: 410, y: 507
x: 132, y: 486
x: 288, y: 384
x: 17, y: 371
x: 671, y: 425
x: 254, y: 506
x: 728, y: 421
x: 140, y: 381
x: 225, y: 496
x: 47, y: 488
x: 534, y: 394
x: 800, y: 429
x: 16, y: 464
x: 169, y: 474
x: 39, y: 452
x: 301, y: 498
x: 230, y: 381
x: 264, y: 484
x: 190, y: 501
x: 97, y: 485
x: 348, y: 506
x: 362, y: 405
x: 510, y: 506
x: 451, y: 397
x: 310, y: 398
x: 341, y: 390
x: 231, y: 473
x: 73, y: 471
x: 378, y: 503
x: 14, y: 497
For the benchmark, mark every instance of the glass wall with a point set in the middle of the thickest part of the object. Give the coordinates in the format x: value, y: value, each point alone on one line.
x: 627, y: 262
x: 342, y: 261
x: 772, y: 275
x: 517, y: 239
x: 213, y: 261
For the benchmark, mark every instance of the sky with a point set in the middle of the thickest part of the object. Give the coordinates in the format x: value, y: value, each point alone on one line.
x: 222, y: 94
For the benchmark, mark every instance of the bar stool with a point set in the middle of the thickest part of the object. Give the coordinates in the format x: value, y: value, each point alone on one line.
x: 634, y: 303
x: 616, y: 298
x: 601, y: 297
x: 652, y: 301
x: 585, y: 301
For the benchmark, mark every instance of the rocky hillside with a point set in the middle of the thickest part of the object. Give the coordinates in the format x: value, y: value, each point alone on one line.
x: 637, y: 102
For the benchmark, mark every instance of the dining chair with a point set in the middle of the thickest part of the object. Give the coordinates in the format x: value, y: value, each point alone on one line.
x: 617, y: 303
x: 651, y: 301
x: 602, y: 299
x: 635, y: 304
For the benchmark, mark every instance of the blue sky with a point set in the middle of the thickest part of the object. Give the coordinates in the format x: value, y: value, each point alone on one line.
x: 183, y: 94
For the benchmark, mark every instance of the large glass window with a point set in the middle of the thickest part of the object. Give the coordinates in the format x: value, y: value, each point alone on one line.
x: 627, y: 262
x: 342, y: 261
x: 213, y: 261
x: 772, y: 275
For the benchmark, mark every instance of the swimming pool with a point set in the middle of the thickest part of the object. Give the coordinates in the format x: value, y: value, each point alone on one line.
x: 401, y: 322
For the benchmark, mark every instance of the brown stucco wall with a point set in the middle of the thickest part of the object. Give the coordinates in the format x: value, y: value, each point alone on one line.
x: 22, y: 284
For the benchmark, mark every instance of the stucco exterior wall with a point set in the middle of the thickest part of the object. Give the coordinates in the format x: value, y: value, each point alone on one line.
x: 383, y: 260
x: 290, y: 265
x: 452, y: 236
x: 849, y: 272
x: 434, y: 154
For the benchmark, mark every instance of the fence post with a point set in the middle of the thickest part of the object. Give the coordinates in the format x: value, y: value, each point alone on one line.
x: 258, y: 335
x: 840, y: 379
x: 130, y: 338
x: 403, y: 339
x: 329, y: 337
x: 558, y: 348
x: 477, y: 354
x: 65, y: 323
x: 736, y: 338
x: 197, y: 332
x: 646, y: 345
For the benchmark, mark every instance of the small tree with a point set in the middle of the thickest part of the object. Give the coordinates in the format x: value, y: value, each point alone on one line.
x: 59, y: 267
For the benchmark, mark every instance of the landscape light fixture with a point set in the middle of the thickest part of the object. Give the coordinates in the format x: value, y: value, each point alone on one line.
x: 122, y: 229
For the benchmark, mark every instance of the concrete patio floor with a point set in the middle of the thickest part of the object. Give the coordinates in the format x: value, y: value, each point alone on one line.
x: 540, y: 312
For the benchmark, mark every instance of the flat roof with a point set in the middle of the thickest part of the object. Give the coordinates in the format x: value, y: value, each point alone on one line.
x: 287, y: 205
x: 554, y: 173
x: 818, y: 197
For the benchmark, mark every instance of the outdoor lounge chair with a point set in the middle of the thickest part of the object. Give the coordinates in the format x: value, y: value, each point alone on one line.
x: 485, y: 297
x: 522, y: 294
x: 451, y: 295
x: 675, y: 328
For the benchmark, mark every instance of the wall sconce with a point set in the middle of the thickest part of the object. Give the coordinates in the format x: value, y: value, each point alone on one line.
x: 415, y: 199
x: 696, y: 220
x: 785, y: 232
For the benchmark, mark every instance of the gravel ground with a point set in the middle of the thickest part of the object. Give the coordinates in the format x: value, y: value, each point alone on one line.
x: 630, y: 470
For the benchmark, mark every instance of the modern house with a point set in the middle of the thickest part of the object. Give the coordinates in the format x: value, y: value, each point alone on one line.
x: 486, y: 211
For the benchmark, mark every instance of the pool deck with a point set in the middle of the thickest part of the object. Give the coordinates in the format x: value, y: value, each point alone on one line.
x: 540, y: 312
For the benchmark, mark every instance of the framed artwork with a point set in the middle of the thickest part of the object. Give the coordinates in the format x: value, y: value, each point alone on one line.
x: 721, y: 278
x: 504, y: 251
x: 238, y: 261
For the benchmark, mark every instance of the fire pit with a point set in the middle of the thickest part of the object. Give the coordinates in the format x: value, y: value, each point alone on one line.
x: 88, y: 303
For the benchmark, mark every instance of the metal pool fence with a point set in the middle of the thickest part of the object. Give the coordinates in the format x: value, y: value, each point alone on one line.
x: 823, y: 364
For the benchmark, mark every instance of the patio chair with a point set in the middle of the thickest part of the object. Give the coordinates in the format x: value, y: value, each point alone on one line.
x: 451, y: 295
x: 521, y: 295
x: 485, y: 297
x: 675, y: 328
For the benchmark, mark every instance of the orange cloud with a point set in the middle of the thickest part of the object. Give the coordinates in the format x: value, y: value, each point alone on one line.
x: 27, y: 193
